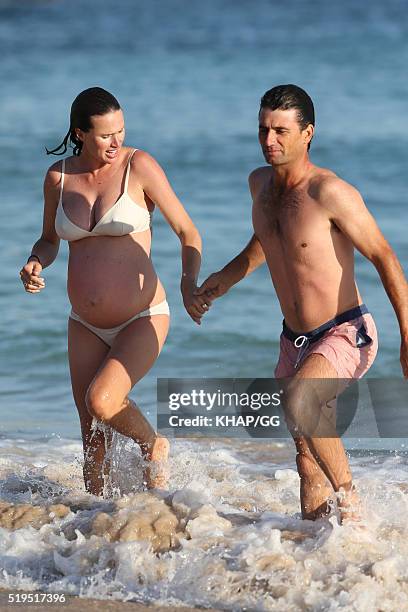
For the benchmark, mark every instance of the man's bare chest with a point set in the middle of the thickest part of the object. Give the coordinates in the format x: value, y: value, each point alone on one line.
x: 285, y: 215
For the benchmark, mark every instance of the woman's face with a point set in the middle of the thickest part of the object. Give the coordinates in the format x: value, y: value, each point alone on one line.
x: 105, y: 138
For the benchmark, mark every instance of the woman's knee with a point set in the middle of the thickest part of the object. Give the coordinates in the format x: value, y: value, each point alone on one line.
x: 100, y: 404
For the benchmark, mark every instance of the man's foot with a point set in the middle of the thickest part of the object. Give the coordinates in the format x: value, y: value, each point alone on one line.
x: 156, y: 472
x: 315, y: 489
x: 349, y: 505
x: 315, y: 501
x: 319, y: 512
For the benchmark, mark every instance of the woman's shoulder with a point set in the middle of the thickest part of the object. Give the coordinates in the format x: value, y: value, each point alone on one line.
x: 143, y: 162
x: 138, y: 155
x: 57, y: 166
x: 53, y: 174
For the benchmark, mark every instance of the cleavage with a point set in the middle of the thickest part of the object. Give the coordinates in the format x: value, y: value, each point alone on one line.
x: 88, y: 213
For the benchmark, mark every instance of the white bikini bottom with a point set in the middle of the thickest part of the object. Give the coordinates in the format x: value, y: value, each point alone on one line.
x: 108, y: 335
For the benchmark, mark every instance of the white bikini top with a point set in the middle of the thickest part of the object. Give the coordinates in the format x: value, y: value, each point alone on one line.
x: 124, y: 217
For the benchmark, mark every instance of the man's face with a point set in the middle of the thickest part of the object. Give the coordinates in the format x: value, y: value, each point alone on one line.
x: 281, y: 138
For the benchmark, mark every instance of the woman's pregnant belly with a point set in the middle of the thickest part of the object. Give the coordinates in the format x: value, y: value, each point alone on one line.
x: 110, y: 279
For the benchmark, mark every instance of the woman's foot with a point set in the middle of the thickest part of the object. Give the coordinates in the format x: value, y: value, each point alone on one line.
x: 156, y: 472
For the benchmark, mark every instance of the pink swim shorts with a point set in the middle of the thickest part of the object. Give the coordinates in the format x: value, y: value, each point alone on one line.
x: 349, y: 342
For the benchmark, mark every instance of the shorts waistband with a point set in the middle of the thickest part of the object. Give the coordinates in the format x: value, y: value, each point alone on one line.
x: 316, y: 334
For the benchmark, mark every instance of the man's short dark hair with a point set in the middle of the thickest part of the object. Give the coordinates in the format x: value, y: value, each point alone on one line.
x: 285, y: 97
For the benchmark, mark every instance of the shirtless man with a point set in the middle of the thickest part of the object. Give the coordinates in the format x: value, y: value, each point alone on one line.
x: 307, y: 222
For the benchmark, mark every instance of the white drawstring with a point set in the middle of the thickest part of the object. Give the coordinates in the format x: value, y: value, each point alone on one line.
x: 302, y: 346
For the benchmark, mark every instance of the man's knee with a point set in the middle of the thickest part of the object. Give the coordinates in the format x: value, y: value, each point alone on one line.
x: 301, y: 407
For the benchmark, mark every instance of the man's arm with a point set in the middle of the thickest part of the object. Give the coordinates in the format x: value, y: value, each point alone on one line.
x: 250, y: 258
x: 348, y: 211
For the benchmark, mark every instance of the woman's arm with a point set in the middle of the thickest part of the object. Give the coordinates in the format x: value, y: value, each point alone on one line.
x: 45, y: 250
x: 154, y: 183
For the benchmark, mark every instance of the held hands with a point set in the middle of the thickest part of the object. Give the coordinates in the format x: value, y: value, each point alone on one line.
x: 214, y: 286
x: 198, y: 300
x: 30, y: 277
x: 195, y: 305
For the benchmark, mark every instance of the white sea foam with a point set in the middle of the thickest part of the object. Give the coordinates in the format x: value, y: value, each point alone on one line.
x: 240, y: 541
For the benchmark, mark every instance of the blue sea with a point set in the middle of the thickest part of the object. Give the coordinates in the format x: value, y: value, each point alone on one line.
x: 189, y: 76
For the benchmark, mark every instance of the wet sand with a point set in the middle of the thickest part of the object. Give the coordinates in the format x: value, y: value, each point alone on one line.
x: 78, y: 604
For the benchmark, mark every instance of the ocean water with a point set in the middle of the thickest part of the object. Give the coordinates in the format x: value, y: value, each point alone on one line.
x: 189, y: 76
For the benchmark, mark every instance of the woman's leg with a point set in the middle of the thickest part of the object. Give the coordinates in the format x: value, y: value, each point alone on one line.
x: 86, y: 354
x: 133, y: 353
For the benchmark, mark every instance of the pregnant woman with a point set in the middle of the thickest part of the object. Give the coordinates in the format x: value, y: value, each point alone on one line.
x: 101, y: 200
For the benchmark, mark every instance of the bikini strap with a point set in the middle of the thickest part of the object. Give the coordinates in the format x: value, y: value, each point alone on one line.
x: 62, y: 178
x: 128, y: 170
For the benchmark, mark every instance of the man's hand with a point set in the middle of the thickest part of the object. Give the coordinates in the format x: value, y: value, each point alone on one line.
x: 404, y: 358
x: 214, y: 286
x: 196, y: 305
x: 30, y: 277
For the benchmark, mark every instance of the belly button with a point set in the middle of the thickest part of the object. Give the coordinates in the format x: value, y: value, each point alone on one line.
x: 304, y: 244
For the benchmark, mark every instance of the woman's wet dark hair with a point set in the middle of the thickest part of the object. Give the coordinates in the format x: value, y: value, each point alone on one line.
x: 92, y: 101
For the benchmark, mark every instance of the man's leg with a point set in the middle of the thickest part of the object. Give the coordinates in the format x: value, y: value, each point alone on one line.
x: 315, y: 488
x: 316, y: 437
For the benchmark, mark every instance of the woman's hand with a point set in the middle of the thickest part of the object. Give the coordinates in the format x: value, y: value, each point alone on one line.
x: 196, y: 305
x: 30, y: 277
